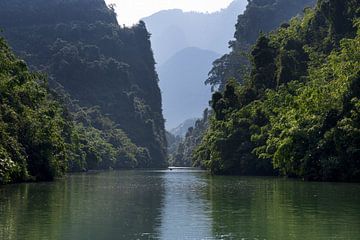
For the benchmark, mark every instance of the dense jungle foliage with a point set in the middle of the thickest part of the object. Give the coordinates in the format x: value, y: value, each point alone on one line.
x: 180, y: 153
x: 33, y: 126
x: 102, y: 74
x: 298, y: 112
x: 259, y: 16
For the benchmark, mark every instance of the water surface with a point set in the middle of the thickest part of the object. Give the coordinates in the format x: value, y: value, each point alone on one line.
x: 178, y: 204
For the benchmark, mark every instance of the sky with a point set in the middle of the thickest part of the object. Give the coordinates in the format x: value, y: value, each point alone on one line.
x: 131, y: 11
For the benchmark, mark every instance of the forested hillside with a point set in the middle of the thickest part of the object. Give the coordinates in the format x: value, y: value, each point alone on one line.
x: 181, y: 151
x: 185, y: 44
x: 103, y: 73
x: 259, y: 16
x: 37, y: 136
x: 297, y: 112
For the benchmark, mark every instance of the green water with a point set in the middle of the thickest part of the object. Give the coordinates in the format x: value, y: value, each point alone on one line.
x: 178, y: 205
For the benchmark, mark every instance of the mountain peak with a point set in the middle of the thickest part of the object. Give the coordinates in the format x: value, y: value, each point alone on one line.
x: 210, y: 31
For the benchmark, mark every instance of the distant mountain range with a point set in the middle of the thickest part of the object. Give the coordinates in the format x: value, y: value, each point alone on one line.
x: 183, y: 128
x: 185, y: 44
x: 182, y: 78
x: 173, y: 30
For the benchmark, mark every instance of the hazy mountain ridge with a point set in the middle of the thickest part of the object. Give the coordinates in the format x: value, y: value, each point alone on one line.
x: 173, y: 30
x: 185, y: 44
x: 182, y: 77
x: 182, y: 129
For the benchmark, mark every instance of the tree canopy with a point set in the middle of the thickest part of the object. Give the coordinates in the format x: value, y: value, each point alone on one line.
x: 102, y: 82
x: 297, y: 114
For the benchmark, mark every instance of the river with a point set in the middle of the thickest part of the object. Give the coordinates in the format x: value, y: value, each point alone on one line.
x: 178, y: 204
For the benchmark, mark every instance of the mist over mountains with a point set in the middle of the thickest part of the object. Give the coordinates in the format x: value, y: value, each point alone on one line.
x: 173, y: 30
x: 182, y: 129
x: 182, y: 77
x: 185, y: 44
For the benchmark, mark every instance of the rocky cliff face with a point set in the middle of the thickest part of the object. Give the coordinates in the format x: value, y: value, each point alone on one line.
x: 80, y: 45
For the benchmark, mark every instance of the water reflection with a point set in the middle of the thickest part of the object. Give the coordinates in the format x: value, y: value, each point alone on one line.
x: 185, y: 211
x: 268, y: 208
x: 178, y: 205
x: 115, y: 205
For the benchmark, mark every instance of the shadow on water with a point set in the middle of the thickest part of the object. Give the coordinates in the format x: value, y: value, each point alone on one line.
x: 112, y: 205
x: 178, y: 204
x: 273, y: 208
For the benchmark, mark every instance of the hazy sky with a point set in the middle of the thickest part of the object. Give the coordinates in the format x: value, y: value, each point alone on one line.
x: 131, y: 11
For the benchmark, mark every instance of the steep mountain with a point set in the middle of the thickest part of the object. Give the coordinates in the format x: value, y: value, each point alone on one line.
x: 106, y: 71
x: 173, y: 30
x: 183, y: 90
x: 181, y: 152
x: 298, y: 111
x: 182, y: 129
x: 33, y: 125
x: 42, y: 140
x: 176, y: 136
x: 259, y: 16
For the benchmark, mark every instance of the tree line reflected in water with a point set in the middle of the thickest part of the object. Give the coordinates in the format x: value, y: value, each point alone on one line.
x: 178, y: 205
